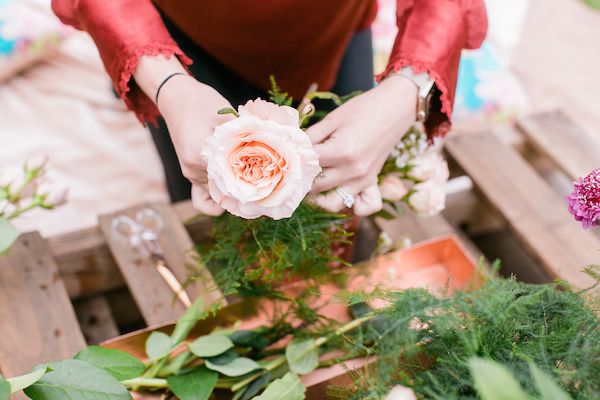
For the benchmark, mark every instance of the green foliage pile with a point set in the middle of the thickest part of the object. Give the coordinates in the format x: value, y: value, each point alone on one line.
x: 254, y: 257
x: 426, y: 342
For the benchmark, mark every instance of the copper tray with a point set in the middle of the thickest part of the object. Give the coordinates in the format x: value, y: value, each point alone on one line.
x: 440, y: 264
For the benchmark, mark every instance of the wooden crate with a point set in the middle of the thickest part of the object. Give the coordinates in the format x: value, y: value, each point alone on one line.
x: 56, y: 294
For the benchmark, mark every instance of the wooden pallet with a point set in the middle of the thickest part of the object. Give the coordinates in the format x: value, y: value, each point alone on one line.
x: 529, y: 206
x: 40, y: 279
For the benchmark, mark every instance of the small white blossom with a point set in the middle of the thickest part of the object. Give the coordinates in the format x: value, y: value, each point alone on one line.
x: 36, y: 161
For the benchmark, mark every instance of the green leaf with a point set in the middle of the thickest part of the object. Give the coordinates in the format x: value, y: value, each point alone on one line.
x: 238, y: 367
x: 187, y: 321
x: 224, y: 358
x: 493, y: 381
x: 21, y: 382
x: 593, y: 3
x: 548, y: 388
x: 302, y: 356
x: 118, y: 363
x: 211, y: 345
x: 158, y: 345
x: 256, y: 386
x: 252, y: 339
x: 228, y: 110
x: 289, y: 388
x: 197, y: 385
x: 4, y: 389
x: 77, y: 380
x: 8, y: 234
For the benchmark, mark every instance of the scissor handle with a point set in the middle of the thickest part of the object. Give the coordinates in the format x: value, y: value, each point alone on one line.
x: 149, y: 221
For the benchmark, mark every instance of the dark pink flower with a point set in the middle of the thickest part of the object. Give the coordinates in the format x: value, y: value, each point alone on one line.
x: 584, y: 201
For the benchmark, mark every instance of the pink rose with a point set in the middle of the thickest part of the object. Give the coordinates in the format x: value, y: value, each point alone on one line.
x: 260, y: 163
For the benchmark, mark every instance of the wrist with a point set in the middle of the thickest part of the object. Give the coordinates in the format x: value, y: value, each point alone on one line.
x: 402, y: 91
x: 151, y: 71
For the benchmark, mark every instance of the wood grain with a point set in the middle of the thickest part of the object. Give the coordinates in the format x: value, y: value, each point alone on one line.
x: 532, y: 210
x: 154, y: 298
x: 37, y: 321
x: 87, y: 265
x: 555, y: 135
x: 96, y: 319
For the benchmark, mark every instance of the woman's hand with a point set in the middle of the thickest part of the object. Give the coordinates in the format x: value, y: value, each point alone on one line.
x: 355, y: 139
x: 190, y: 109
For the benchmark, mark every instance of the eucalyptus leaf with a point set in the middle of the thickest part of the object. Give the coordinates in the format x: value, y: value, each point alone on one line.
x: 118, y: 363
x: 4, y: 389
x: 224, y: 358
x: 210, y: 345
x: 187, y: 321
x: 546, y: 386
x: 77, y: 380
x: 493, y: 381
x: 21, y: 382
x: 256, y: 386
x: 289, y: 388
x: 246, y: 338
x: 197, y: 385
x: 238, y: 367
x: 158, y: 345
x: 302, y: 356
x: 8, y: 234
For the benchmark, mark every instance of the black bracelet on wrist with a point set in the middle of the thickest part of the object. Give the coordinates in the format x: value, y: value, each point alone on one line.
x: 163, y: 82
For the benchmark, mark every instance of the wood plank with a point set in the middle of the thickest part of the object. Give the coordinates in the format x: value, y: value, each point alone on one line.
x: 96, y: 320
x: 532, y: 210
x: 38, y: 323
x: 155, y: 299
x: 555, y: 135
x: 87, y: 265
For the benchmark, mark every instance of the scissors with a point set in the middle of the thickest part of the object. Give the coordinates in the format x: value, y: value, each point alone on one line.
x: 142, y: 234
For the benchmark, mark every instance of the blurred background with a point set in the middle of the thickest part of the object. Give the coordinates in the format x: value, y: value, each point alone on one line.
x: 54, y: 96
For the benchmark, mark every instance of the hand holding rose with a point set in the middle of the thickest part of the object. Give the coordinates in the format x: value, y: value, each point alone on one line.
x: 260, y: 163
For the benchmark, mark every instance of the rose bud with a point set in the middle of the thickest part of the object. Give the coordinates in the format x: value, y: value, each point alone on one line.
x: 392, y: 188
x: 55, y: 195
x: 7, y: 208
x: 10, y: 175
x: 429, y: 198
x: 36, y: 162
x: 401, y: 393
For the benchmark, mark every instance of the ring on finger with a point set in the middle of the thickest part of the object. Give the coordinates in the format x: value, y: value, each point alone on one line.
x: 347, y: 198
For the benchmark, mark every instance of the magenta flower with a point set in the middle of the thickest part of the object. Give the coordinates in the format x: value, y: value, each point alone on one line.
x: 584, y: 201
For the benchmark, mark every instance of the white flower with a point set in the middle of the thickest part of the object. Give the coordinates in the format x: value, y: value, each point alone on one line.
x: 431, y: 165
x: 7, y: 208
x: 401, y: 393
x: 55, y: 194
x: 392, y: 188
x: 429, y: 198
x: 36, y: 161
x: 12, y: 177
x: 261, y: 163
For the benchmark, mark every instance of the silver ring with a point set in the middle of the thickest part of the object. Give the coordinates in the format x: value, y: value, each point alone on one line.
x: 346, y: 197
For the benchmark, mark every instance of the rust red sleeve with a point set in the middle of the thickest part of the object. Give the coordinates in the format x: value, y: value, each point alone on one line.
x: 430, y: 38
x: 124, y: 31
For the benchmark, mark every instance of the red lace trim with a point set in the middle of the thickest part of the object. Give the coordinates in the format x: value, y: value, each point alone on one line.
x: 436, y: 125
x: 134, y: 98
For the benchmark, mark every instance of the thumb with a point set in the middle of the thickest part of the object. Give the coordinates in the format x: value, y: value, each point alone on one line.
x: 202, y: 201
